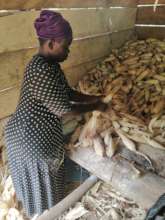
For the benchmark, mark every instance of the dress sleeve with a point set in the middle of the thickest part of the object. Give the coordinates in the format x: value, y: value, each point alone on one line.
x: 67, y: 87
x: 46, y: 87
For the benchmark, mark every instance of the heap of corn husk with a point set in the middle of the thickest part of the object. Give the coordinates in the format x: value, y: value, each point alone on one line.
x: 132, y: 83
x: 102, y: 202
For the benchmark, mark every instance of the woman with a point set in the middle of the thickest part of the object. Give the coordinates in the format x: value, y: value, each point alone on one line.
x: 34, y: 139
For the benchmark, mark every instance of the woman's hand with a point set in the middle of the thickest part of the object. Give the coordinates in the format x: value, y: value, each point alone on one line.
x: 100, y: 106
x: 79, y: 98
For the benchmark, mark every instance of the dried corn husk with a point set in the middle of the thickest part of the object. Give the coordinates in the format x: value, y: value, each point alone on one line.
x: 110, y: 145
x: 126, y: 141
x: 154, y: 143
x: 89, y: 130
x: 98, y: 146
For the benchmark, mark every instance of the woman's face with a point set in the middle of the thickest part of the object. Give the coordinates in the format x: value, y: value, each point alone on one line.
x: 60, y: 50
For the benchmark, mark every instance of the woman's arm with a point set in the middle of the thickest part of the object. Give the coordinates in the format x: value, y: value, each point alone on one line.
x: 77, y: 109
x: 78, y: 97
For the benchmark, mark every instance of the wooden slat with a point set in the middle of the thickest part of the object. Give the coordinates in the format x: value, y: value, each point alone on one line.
x: 141, y: 2
x: 12, y: 67
x: 25, y: 37
x: 120, y: 174
x: 3, y: 123
x: 38, y: 4
x: 84, y: 23
x: 74, y: 74
x: 122, y: 18
x: 124, y: 3
x: 8, y: 102
x: 119, y: 38
x: 150, y: 32
x: 81, y: 52
x: 12, y: 64
x: 84, y: 57
x: 146, y: 15
x: 9, y: 98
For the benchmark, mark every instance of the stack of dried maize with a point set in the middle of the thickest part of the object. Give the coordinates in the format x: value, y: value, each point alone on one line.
x: 132, y: 81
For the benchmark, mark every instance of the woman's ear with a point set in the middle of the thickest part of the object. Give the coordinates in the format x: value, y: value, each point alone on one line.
x: 50, y: 44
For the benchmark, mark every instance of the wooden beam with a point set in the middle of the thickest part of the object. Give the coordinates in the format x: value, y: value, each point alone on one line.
x: 70, y: 200
x: 141, y: 2
x: 120, y: 174
x: 157, y: 156
x: 146, y: 15
x: 150, y: 32
x: 84, y: 23
x: 38, y: 4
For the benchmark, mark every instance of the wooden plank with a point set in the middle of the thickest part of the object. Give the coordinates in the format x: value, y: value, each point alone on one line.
x: 85, y: 55
x: 3, y: 123
x: 81, y: 52
x: 8, y: 102
x: 9, y: 98
x: 157, y: 156
x: 141, y: 2
x: 119, y: 38
x: 27, y: 34
x: 124, y: 3
x: 56, y: 211
x: 120, y: 174
x: 38, y: 4
x: 146, y: 15
x: 12, y: 67
x: 74, y: 74
x: 150, y: 32
x: 122, y: 18
x: 83, y: 22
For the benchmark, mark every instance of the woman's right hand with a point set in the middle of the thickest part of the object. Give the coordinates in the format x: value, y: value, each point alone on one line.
x: 100, y: 106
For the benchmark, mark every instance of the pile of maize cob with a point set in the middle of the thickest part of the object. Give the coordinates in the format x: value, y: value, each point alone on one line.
x: 132, y: 82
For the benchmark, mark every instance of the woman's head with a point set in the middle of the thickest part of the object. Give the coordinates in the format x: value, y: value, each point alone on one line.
x: 54, y: 33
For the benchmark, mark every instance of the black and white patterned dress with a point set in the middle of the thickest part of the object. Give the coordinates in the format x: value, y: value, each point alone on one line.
x: 34, y: 139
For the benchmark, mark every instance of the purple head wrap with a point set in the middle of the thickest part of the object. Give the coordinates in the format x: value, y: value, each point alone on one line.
x: 52, y: 25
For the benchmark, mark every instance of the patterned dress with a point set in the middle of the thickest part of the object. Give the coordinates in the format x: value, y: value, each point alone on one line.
x: 34, y: 139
